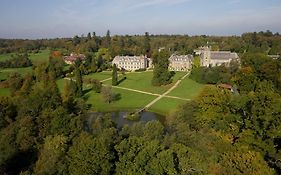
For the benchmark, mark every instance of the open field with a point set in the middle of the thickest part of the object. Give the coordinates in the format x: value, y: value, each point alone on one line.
x: 129, y: 101
x: 166, y: 105
x: 36, y: 58
x: 4, y: 73
x: 187, y: 89
x: 142, y: 81
x: 4, y: 92
x: 43, y: 55
x: 99, y: 75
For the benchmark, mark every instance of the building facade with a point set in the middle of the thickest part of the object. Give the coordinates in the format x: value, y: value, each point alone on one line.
x: 73, y: 57
x: 216, y: 58
x: 132, y: 63
x: 180, y: 62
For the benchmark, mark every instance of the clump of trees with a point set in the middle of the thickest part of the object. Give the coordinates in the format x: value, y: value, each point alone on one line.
x: 17, y: 61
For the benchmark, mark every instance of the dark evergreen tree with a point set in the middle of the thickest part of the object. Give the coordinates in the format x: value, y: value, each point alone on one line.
x: 107, y: 39
x: 161, y: 74
x: 114, y: 76
x: 146, y: 45
x: 79, y: 82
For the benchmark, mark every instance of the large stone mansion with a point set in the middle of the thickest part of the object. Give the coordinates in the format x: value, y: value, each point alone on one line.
x: 180, y: 62
x: 132, y: 63
x: 215, y: 58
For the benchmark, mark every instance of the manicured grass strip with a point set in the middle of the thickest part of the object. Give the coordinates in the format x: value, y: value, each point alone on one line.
x: 166, y: 106
x: 142, y: 81
x: 99, y: 75
x: 187, y: 89
x: 4, y: 73
x: 128, y: 101
x: 4, y: 92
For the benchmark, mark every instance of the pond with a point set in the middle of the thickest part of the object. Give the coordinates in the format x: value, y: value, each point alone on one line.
x: 118, y: 118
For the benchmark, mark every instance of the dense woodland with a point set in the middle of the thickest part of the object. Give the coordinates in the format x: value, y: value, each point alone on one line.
x: 44, y: 131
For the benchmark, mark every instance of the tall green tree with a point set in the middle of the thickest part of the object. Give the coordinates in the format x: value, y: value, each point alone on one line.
x: 107, y: 39
x: 146, y: 45
x: 114, y: 76
x: 161, y: 74
x: 79, y: 81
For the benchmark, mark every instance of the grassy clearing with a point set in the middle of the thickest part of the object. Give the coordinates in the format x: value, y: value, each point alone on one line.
x: 129, y: 101
x: 4, y: 57
x: 142, y: 81
x: 187, y: 89
x: 4, y: 92
x: 36, y: 58
x: 4, y: 73
x: 99, y: 75
x: 166, y: 106
x: 42, y: 56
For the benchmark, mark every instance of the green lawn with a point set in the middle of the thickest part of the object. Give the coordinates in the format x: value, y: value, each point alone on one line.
x: 142, y: 81
x: 4, y: 57
x: 129, y: 101
x: 43, y: 55
x: 4, y: 73
x: 165, y: 106
x: 187, y: 89
x: 4, y: 92
x: 99, y: 75
x: 36, y: 58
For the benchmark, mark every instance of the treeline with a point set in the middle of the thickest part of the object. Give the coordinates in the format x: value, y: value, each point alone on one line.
x: 19, y: 60
x: 262, y: 42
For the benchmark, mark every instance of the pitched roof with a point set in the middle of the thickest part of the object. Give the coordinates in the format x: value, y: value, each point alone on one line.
x: 181, y: 57
x: 223, y: 55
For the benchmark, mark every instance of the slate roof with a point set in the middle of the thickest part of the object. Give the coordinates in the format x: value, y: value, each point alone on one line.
x: 181, y: 58
x: 223, y: 55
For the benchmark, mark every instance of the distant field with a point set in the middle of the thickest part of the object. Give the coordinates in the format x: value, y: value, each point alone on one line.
x: 142, y: 81
x: 36, y: 58
x: 4, y: 92
x: 187, y: 89
x: 43, y: 55
x: 4, y: 73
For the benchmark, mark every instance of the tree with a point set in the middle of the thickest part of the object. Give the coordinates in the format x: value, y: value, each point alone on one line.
x: 52, y: 156
x: 79, y: 81
x: 89, y: 37
x: 161, y: 74
x: 107, y: 94
x: 107, y: 39
x: 114, y: 76
x: 15, y: 82
x: 146, y: 45
x: 97, y: 86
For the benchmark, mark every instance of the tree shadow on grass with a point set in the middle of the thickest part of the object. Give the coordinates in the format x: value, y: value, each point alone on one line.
x: 117, y: 97
x: 121, y: 80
